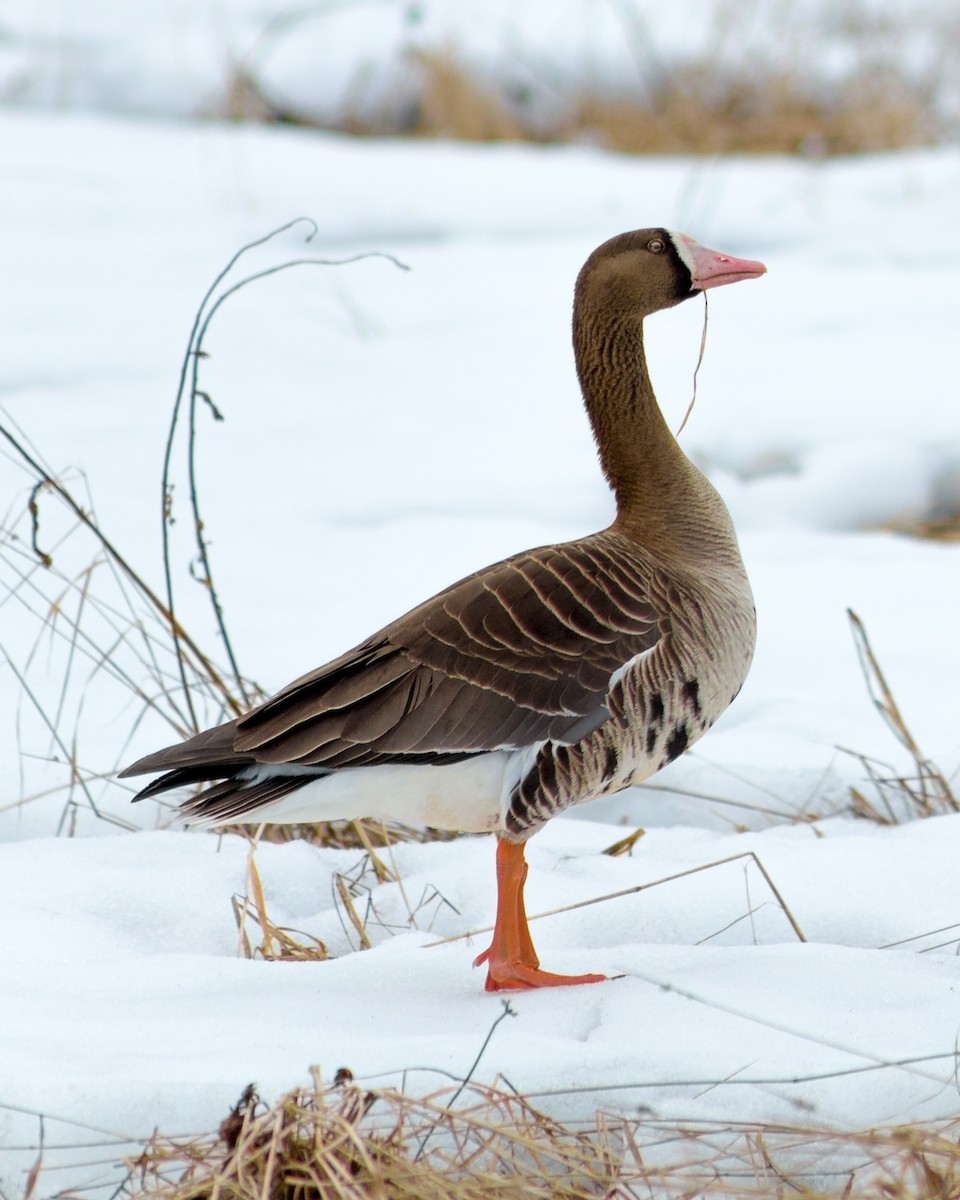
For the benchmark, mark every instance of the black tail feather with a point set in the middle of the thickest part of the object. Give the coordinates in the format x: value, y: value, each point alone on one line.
x: 235, y: 800
x: 182, y: 777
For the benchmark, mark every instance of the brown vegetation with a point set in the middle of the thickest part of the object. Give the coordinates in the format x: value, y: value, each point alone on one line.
x: 761, y: 78
x: 695, y: 111
x: 343, y: 1142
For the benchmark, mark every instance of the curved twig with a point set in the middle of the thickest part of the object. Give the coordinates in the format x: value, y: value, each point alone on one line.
x: 195, y: 353
x: 166, y: 490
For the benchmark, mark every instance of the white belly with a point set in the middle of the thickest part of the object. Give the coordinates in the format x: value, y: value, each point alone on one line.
x: 470, y: 796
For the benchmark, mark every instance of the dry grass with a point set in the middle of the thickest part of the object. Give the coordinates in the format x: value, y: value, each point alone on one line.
x: 362, y: 916
x: 346, y: 835
x: 757, y: 84
x: 89, y: 650
x: 696, y: 112
x: 926, y: 792
x: 261, y: 937
x: 701, y: 114
x: 343, y: 1142
x: 940, y: 528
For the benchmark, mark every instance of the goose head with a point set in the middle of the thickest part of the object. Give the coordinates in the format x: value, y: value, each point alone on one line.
x: 641, y: 272
x: 624, y: 280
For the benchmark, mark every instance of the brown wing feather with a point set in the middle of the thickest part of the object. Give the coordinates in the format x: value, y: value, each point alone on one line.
x: 510, y: 655
x: 519, y: 652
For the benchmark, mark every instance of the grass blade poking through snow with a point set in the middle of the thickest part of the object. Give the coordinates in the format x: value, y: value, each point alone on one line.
x: 927, y: 792
x: 277, y: 943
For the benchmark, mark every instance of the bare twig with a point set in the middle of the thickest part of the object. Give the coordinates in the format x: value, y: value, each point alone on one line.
x: 166, y: 487
x: 507, y: 1012
x: 89, y: 630
x: 191, y: 366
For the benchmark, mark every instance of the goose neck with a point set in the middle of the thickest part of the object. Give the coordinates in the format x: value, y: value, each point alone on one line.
x: 639, y: 455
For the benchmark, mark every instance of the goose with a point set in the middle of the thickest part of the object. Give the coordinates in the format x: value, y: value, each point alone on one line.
x: 554, y: 677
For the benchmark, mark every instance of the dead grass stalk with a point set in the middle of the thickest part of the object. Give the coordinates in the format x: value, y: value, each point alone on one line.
x: 344, y: 1142
x: 275, y: 943
x: 896, y: 798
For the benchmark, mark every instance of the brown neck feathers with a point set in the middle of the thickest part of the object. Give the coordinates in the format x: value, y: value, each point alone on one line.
x: 638, y: 453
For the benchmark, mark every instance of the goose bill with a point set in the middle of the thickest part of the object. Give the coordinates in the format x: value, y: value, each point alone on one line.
x: 711, y: 268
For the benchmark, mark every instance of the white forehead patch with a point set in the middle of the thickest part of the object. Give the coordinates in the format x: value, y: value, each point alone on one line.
x: 682, y: 246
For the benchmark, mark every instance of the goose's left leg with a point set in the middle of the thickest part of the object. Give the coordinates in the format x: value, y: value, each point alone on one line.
x: 512, y: 962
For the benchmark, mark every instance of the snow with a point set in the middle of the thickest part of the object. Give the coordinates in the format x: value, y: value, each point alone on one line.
x: 386, y: 432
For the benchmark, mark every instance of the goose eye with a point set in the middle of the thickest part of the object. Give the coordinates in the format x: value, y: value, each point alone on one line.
x: 655, y: 245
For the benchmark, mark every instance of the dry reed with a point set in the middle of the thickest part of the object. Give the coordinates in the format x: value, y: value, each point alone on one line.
x: 344, y: 1142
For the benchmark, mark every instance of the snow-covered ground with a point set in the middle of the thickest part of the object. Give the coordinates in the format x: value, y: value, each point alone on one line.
x: 385, y: 433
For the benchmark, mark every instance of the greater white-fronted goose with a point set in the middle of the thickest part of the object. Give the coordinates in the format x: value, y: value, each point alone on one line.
x: 554, y: 677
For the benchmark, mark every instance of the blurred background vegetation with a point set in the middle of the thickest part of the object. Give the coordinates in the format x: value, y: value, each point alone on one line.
x: 806, y: 77
x: 753, y: 76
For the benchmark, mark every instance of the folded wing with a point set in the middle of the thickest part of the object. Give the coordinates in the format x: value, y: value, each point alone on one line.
x: 517, y: 653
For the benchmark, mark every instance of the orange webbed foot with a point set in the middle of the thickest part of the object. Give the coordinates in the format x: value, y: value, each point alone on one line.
x: 503, y: 976
x: 512, y: 962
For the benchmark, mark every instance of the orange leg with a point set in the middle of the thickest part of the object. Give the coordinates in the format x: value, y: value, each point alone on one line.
x: 512, y: 962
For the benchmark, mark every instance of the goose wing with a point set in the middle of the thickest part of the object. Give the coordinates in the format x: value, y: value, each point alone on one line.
x: 516, y: 653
